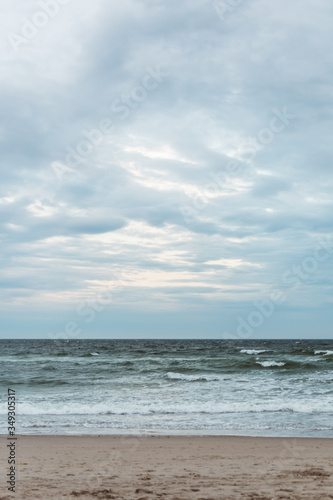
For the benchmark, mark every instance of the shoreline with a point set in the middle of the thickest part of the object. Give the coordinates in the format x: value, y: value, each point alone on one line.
x: 147, y: 467
x: 166, y: 435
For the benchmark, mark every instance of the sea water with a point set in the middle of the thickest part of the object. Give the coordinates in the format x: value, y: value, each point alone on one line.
x: 234, y: 387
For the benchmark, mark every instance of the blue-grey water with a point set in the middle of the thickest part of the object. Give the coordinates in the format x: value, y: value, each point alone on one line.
x: 245, y: 387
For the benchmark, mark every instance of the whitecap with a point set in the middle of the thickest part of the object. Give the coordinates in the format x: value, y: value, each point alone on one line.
x: 190, y: 378
x: 253, y: 351
x: 267, y: 364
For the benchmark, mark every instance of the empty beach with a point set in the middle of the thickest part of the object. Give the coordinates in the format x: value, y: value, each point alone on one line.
x: 171, y: 468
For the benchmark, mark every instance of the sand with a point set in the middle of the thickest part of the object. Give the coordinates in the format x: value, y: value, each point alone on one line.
x: 170, y: 468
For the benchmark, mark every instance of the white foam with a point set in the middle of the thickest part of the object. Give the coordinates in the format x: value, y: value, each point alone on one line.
x: 157, y: 407
x: 190, y: 378
x: 267, y: 364
x: 253, y: 351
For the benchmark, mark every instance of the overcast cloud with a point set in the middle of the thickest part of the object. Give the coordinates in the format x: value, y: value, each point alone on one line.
x: 178, y: 153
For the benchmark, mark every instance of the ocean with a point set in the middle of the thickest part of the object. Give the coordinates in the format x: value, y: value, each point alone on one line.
x: 216, y: 387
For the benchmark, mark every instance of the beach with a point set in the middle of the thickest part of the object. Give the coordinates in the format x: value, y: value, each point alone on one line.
x: 170, y: 467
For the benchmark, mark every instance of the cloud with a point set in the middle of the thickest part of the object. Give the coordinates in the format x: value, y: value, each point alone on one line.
x: 216, y: 161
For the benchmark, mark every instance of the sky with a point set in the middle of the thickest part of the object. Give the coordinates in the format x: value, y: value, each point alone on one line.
x: 166, y: 169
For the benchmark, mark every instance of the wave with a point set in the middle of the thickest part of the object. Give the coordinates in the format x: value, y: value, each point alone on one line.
x: 39, y: 381
x: 269, y: 364
x: 253, y: 351
x: 66, y: 410
x: 191, y: 378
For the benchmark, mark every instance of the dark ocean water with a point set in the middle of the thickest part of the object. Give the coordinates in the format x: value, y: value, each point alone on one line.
x: 248, y: 387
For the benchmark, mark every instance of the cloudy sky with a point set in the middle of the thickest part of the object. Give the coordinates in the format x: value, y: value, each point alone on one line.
x: 166, y: 168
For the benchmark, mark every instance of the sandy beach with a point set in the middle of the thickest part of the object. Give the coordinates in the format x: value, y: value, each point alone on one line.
x: 171, y: 468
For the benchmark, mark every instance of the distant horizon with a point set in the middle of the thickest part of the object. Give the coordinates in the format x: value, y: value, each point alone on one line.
x: 170, y: 338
